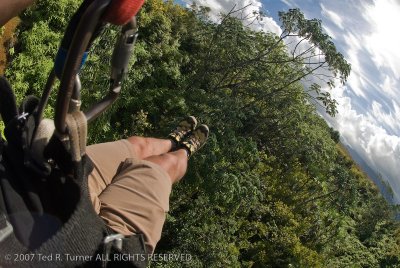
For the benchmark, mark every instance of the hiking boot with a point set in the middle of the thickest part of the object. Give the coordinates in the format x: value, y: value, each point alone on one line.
x: 183, y: 129
x: 195, y: 140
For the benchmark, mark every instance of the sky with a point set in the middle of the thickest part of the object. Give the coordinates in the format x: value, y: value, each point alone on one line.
x: 369, y: 108
x: 365, y: 32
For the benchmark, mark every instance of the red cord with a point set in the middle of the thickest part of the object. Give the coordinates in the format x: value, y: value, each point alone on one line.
x: 121, y: 11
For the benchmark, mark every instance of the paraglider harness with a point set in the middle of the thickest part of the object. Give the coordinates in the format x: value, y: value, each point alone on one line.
x: 46, y: 216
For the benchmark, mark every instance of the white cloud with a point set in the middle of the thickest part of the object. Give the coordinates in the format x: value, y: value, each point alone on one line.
x: 390, y: 86
x: 353, y: 41
x: 329, y: 31
x: 289, y: 3
x: 332, y: 16
x: 268, y: 25
x: 363, y: 133
x: 383, y: 41
x: 224, y: 6
x: 355, y: 80
x: 391, y: 119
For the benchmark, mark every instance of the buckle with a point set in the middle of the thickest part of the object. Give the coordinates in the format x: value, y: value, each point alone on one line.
x: 6, y: 228
x: 114, y: 240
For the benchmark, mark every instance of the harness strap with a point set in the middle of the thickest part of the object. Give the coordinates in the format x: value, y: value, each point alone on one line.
x: 77, y: 131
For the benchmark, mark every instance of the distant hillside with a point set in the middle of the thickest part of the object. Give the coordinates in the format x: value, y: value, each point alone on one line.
x: 382, y: 185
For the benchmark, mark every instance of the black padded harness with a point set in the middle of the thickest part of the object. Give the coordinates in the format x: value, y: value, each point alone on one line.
x: 45, y: 209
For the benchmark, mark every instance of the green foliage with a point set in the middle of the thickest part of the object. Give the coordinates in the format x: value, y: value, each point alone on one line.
x: 270, y: 188
x: 294, y: 21
x: 39, y: 35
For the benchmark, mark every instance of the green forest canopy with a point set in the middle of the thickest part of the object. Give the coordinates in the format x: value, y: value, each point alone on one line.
x: 271, y: 188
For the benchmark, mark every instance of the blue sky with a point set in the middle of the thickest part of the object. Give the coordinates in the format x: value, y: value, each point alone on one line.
x: 365, y: 32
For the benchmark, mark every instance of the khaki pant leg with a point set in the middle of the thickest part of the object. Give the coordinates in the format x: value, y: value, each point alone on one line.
x: 106, y: 158
x: 136, y: 198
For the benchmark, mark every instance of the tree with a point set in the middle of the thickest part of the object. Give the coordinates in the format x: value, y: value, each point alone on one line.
x: 270, y: 188
x: 268, y: 53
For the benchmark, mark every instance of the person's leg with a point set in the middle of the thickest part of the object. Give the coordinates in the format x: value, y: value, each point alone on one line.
x: 174, y: 163
x: 145, y: 147
x: 107, y: 157
x: 138, y: 198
